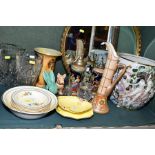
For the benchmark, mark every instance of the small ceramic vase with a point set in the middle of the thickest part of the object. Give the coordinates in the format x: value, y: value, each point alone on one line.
x: 99, y: 57
x: 137, y: 86
x: 107, y: 84
x: 49, y: 58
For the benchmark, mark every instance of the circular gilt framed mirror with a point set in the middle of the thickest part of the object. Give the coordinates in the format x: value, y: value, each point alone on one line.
x: 129, y: 41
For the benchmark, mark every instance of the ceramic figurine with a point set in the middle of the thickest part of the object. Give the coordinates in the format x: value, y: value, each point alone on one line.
x: 88, y: 73
x: 137, y: 86
x: 49, y: 57
x: 85, y: 88
x: 74, y: 83
x: 60, y: 83
x: 107, y: 84
x: 49, y: 78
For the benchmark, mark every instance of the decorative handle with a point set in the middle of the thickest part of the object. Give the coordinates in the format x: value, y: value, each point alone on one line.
x: 112, y: 85
x: 120, y: 75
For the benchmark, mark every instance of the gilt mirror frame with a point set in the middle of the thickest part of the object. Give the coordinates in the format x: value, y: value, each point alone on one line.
x: 65, y: 34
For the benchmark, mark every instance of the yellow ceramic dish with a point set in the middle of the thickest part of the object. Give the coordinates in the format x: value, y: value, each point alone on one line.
x: 74, y: 104
x: 83, y: 115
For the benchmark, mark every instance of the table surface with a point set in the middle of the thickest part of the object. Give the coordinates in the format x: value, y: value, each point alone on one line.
x: 117, y: 117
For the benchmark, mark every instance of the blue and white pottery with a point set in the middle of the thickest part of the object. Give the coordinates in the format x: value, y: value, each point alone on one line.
x: 99, y: 57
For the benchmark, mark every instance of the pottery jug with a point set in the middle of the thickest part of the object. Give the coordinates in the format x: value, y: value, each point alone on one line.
x: 137, y: 86
x: 48, y: 62
x: 107, y: 84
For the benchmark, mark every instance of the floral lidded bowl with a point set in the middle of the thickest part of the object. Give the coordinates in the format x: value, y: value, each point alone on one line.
x: 137, y: 86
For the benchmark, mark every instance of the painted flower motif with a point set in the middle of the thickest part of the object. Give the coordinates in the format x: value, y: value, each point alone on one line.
x: 135, y: 88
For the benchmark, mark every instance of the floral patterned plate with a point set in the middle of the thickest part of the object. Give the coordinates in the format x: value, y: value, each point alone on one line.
x: 7, y: 101
x: 31, y: 97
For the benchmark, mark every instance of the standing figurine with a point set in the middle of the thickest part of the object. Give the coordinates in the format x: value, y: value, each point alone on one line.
x: 75, y: 85
x: 49, y: 78
x: 60, y: 83
x: 85, y: 87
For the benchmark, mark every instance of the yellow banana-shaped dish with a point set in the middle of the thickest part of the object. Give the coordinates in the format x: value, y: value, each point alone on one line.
x: 83, y: 115
x: 74, y: 104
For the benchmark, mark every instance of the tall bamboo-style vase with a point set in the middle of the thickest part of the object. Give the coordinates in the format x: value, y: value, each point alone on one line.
x: 107, y: 84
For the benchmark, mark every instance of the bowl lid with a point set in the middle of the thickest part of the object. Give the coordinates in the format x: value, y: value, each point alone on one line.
x: 138, y: 59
